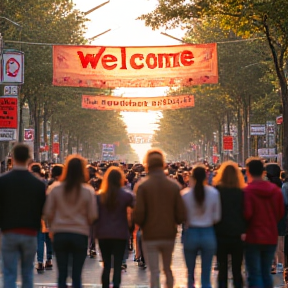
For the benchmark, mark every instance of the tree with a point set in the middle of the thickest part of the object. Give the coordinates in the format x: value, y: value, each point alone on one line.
x: 57, y: 22
x: 246, y: 19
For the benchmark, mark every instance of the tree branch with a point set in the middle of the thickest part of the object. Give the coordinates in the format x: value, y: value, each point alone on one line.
x: 279, y: 70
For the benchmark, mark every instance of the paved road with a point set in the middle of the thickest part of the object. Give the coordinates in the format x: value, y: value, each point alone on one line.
x: 134, y: 276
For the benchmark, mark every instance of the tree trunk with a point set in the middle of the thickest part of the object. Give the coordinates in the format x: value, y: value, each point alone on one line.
x: 20, y: 139
x: 285, y: 132
x: 245, y: 130
x: 61, y: 145
x: 68, y: 143
x: 279, y: 64
x: 220, y: 142
x: 37, y: 134
x: 239, y: 133
x: 45, y: 137
x: 51, y: 139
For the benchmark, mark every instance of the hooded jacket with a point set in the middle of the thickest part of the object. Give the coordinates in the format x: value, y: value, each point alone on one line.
x: 263, y: 209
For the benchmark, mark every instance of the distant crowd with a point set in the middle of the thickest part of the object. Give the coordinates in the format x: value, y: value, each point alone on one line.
x: 72, y: 208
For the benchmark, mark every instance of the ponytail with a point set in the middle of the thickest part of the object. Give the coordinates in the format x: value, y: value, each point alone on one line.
x: 199, y: 193
x: 199, y: 175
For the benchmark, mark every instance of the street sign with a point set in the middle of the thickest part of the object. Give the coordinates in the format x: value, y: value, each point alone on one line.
x: 279, y: 120
x: 8, y: 112
x: 257, y: 129
x: 28, y: 134
x: 8, y: 134
x: 228, y: 143
x: 10, y: 90
x: 12, y: 67
x: 56, y: 148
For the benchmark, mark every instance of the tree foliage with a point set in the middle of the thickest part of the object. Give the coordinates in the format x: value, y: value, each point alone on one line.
x: 45, y: 23
x: 245, y: 79
x: 245, y: 19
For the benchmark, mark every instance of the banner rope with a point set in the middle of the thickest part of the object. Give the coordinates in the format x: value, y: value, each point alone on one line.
x: 53, y: 44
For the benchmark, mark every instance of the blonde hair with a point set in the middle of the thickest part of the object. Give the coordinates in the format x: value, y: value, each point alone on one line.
x: 229, y: 175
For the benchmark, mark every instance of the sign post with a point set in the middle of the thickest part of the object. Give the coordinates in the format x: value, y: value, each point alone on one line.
x: 8, y: 118
x: 12, y: 74
x: 227, y: 144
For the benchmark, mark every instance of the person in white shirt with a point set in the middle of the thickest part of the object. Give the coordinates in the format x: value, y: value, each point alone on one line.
x: 203, y: 211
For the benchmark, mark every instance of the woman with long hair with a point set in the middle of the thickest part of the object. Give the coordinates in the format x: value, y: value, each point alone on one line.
x: 229, y: 181
x: 112, y: 229
x: 203, y: 211
x: 70, y: 210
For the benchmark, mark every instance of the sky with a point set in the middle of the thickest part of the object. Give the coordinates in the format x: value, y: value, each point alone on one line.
x: 120, y: 16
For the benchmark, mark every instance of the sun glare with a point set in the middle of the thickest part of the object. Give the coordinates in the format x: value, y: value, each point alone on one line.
x: 120, y: 17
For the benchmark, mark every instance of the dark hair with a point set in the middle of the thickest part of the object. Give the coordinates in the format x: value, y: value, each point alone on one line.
x: 91, y: 170
x: 21, y: 153
x: 199, y: 175
x: 74, y: 174
x: 273, y: 172
x: 112, y: 181
x: 255, y: 167
x: 36, y: 168
x: 56, y: 171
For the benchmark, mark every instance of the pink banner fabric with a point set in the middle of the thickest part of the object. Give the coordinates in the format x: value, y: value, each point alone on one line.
x: 110, y: 67
x: 136, y: 104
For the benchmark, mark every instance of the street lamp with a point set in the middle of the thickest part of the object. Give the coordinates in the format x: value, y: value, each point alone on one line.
x: 9, y: 20
x: 95, y: 8
x: 170, y: 36
x: 98, y: 35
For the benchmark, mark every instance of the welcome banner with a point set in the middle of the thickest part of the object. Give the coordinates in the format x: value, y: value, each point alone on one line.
x: 109, y: 67
x: 137, y: 103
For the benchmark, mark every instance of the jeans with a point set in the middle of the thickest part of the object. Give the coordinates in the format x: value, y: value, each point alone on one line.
x: 15, y: 247
x: 203, y: 240
x: 92, y: 237
x: 258, y: 258
x: 41, y: 239
x: 151, y: 250
x: 234, y: 247
x: 68, y: 245
x: 139, y: 247
x: 109, y: 248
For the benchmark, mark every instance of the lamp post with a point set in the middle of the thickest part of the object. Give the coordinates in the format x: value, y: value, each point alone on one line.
x: 95, y: 8
x: 13, y: 22
x: 98, y: 35
x: 170, y: 36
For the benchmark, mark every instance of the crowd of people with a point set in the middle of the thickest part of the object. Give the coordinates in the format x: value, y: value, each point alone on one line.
x: 225, y: 211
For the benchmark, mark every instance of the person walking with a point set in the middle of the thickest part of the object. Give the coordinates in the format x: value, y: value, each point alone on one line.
x: 22, y: 197
x: 42, y: 235
x: 159, y: 209
x: 263, y: 209
x: 112, y: 229
x: 70, y: 210
x: 203, y: 211
x: 230, y: 183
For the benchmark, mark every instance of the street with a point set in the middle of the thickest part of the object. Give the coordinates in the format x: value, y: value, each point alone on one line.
x: 134, y: 276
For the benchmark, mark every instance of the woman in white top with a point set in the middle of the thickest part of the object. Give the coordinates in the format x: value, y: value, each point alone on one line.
x: 203, y: 211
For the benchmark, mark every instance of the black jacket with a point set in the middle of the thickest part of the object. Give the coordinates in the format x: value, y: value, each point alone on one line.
x: 232, y: 222
x: 22, y: 197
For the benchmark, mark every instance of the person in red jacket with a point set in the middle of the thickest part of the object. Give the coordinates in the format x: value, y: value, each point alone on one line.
x: 263, y: 209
